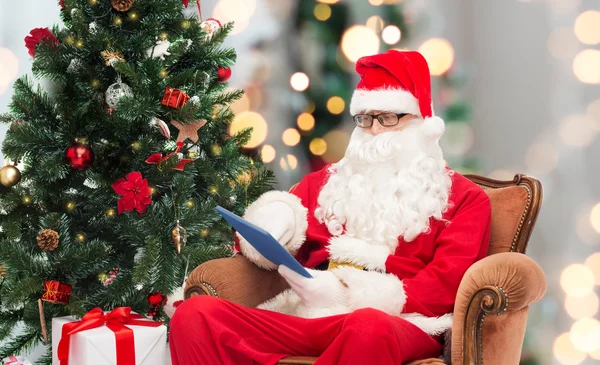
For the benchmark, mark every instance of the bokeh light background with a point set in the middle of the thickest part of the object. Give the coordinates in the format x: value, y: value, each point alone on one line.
x: 531, y: 77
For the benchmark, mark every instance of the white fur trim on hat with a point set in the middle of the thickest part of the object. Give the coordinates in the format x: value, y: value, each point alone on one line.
x: 359, y: 252
x: 372, y: 289
x: 390, y: 100
x: 299, y: 225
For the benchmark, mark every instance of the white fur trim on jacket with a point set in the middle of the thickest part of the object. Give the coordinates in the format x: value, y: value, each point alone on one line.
x: 371, y: 289
x: 299, y: 224
x: 359, y: 252
x: 389, y: 100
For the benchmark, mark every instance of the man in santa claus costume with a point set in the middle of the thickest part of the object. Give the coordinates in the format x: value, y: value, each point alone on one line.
x: 387, y: 234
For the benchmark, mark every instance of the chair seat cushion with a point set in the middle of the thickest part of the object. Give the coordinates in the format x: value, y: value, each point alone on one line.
x: 307, y: 360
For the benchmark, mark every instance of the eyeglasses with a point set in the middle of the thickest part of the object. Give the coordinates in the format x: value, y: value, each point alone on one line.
x: 386, y: 119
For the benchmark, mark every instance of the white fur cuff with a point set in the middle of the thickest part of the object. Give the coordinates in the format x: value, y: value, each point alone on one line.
x: 359, y: 252
x: 371, y: 289
x: 387, y: 100
x: 298, y: 224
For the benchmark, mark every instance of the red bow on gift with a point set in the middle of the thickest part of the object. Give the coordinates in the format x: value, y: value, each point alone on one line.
x: 115, y: 321
x: 157, y: 158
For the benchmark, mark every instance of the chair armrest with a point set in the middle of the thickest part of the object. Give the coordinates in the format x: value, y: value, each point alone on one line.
x: 504, y: 283
x: 235, y: 279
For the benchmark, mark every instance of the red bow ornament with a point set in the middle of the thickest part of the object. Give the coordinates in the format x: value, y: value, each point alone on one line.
x: 38, y: 35
x: 115, y: 321
x: 158, y: 158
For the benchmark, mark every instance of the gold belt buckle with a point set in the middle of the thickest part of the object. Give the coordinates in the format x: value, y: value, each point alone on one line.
x: 335, y: 264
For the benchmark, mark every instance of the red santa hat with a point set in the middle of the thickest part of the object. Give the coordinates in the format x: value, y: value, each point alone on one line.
x: 396, y: 82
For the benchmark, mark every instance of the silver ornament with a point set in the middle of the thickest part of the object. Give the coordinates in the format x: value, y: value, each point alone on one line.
x: 115, y: 92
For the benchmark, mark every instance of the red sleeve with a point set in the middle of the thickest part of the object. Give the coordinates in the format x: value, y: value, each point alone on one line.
x: 460, y: 244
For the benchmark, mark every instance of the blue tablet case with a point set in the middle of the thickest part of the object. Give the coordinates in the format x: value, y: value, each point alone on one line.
x: 263, y: 242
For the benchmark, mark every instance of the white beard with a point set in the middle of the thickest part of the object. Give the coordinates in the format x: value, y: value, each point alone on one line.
x: 386, y: 186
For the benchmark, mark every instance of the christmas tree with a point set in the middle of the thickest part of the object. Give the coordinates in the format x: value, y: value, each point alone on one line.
x: 103, y: 208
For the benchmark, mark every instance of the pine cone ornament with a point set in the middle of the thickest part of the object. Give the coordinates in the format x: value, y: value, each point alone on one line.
x: 48, y: 239
x: 122, y: 5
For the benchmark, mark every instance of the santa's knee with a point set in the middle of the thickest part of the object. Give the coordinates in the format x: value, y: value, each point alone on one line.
x: 194, y: 312
x: 373, y: 326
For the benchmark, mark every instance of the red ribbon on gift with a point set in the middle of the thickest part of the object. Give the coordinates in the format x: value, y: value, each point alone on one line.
x: 115, y: 321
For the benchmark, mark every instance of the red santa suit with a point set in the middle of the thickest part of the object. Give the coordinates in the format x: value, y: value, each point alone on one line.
x: 395, y: 307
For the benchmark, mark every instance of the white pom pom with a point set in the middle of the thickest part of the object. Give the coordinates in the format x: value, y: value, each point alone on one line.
x: 173, y: 301
x: 434, y: 127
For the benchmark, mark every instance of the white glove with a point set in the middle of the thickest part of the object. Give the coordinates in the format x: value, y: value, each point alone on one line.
x: 323, y: 290
x: 278, y: 219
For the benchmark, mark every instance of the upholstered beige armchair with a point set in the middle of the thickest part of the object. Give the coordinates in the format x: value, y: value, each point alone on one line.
x: 493, y: 299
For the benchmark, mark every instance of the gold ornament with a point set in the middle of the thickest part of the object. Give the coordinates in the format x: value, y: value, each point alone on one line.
x: 48, y: 239
x: 9, y: 176
x: 178, y: 234
x: 111, y: 57
x: 2, y: 271
x: 122, y: 5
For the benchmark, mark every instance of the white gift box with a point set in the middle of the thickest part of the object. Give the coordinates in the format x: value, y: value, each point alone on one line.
x: 97, y: 346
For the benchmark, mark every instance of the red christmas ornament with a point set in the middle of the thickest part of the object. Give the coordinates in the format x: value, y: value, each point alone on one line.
x: 62, y: 4
x: 156, y: 301
x: 135, y: 192
x: 38, y: 35
x: 223, y: 74
x: 79, y: 156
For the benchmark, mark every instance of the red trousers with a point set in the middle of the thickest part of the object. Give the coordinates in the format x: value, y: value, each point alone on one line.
x: 209, y: 330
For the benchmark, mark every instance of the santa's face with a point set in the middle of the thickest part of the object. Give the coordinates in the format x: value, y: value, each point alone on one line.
x: 389, y: 184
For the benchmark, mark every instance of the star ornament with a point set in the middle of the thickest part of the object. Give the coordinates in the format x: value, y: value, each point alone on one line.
x: 188, y: 131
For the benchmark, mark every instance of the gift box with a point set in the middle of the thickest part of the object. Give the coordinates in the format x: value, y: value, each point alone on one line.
x: 174, y: 98
x: 56, y: 292
x: 16, y: 360
x: 116, y: 338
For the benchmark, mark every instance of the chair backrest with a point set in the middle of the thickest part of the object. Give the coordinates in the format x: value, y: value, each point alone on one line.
x: 515, y: 208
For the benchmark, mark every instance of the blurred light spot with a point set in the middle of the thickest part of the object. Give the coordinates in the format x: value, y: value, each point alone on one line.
x: 576, y: 130
x: 241, y: 105
x: 582, y: 307
x: 565, y: 352
x: 318, y: 146
x: 577, y: 280
x: 585, y: 66
x: 268, y: 153
x: 9, y: 68
x: 322, y: 12
x: 595, y: 217
x: 237, y: 11
x: 587, y: 27
x: 335, y: 105
x: 306, y: 121
x: 542, y: 158
x: 501, y: 174
x: 254, y: 120
x: 458, y: 138
x: 593, y: 111
x: 585, y: 230
x: 291, y: 137
x: 562, y: 43
x: 289, y: 162
x: 391, y: 34
x: 255, y: 95
x: 375, y: 23
x: 359, y: 41
x: 439, y: 55
x: 328, y: 1
x: 375, y: 2
x: 593, y: 262
x: 585, y: 334
x: 299, y: 81
x: 336, y: 141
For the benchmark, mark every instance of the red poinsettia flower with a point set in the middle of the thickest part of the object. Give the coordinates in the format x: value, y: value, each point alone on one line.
x: 38, y: 35
x: 135, y: 192
x: 157, y: 299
